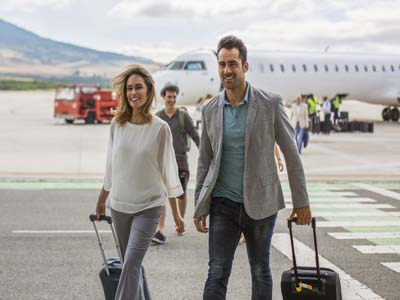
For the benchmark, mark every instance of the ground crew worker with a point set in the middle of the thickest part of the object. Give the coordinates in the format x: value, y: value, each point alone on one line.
x: 312, y: 110
x: 335, y: 108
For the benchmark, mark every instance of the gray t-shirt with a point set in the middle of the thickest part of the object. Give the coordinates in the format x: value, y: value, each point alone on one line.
x: 179, y: 138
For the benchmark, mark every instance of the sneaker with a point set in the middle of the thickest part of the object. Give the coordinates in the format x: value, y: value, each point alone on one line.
x: 159, y: 238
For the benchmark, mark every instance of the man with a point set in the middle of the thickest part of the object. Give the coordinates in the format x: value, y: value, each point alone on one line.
x: 299, y: 118
x: 237, y: 181
x: 181, y: 125
x: 312, y: 112
x: 335, y: 108
x: 326, y: 107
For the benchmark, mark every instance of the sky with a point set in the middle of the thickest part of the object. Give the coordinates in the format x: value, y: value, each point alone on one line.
x: 161, y: 30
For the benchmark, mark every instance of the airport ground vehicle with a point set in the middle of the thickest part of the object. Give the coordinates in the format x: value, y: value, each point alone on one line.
x: 83, y: 102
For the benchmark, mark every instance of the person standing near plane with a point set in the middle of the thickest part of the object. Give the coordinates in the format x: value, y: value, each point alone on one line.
x: 335, y: 108
x: 181, y: 125
x: 237, y: 182
x: 300, y: 122
x: 140, y: 168
x: 326, y: 108
x: 312, y: 112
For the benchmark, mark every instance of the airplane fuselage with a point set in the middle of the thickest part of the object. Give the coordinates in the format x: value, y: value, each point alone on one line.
x: 369, y: 78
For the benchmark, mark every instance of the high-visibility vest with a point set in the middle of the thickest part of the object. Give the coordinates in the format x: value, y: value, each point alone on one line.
x: 312, y: 108
x: 336, y: 102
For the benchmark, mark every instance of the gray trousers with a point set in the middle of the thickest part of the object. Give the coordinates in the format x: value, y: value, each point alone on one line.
x: 134, y: 233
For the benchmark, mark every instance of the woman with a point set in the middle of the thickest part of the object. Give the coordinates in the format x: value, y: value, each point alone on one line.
x: 140, y: 162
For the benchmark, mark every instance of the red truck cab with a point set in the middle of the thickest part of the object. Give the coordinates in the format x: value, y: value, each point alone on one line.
x: 84, y: 102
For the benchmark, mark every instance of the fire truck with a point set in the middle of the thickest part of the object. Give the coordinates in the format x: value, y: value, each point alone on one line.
x: 84, y: 102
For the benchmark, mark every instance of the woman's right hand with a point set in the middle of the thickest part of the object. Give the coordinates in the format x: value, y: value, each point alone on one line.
x: 100, y: 209
x: 101, y: 204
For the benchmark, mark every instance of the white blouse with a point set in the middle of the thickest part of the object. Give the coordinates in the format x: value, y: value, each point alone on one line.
x: 141, y: 166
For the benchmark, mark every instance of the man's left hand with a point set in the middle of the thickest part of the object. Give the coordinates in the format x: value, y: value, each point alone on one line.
x: 303, y: 215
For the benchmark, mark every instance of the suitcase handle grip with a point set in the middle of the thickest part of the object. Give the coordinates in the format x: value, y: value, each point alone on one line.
x: 102, y: 218
x: 294, y: 220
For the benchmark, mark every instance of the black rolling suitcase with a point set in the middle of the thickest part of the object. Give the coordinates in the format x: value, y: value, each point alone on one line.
x: 110, y: 272
x: 309, y: 283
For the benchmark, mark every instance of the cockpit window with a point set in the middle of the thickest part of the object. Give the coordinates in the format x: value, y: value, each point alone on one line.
x: 175, y: 65
x: 195, y: 65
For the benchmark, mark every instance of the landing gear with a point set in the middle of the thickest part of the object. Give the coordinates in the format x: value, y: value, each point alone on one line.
x: 395, y: 114
x: 391, y: 114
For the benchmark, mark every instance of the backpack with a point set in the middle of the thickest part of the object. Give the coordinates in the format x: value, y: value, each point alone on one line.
x: 181, y: 119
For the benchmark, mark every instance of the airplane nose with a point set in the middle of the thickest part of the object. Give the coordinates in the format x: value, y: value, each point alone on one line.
x: 160, y: 79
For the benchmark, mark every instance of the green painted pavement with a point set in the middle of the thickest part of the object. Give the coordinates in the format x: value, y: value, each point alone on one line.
x: 385, y: 242
x: 374, y: 229
x: 45, y: 185
x: 362, y: 218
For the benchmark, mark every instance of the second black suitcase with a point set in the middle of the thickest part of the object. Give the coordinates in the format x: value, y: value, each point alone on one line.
x: 309, y: 283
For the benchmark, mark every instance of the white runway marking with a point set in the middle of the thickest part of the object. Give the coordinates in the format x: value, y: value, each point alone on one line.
x: 352, y: 289
x: 340, y: 200
x: 325, y: 194
x: 325, y: 224
x: 58, y: 231
x: 364, y: 235
x: 377, y: 213
x: 377, y: 190
x: 394, y: 266
x: 347, y: 205
x: 378, y: 249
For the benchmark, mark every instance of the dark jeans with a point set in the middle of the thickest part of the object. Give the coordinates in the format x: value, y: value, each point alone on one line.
x: 228, y: 220
x: 327, y: 123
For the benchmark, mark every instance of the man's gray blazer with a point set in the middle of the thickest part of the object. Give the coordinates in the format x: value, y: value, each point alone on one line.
x: 267, y: 123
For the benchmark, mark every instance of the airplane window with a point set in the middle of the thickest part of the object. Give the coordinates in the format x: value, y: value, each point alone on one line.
x: 271, y: 67
x: 315, y: 68
x: 366, y: 68
x: 326, y: 68
x: 346, y: 68
x: 195, y: 65
x: 304, y: 68
x: 175, y: 65
x: 356, y: 68
x: 293, y: 68
x: 261, y: 68
x: 392, y: 68
x: 373, y: 68
x: 336, y: 68
x: 282, y: 68
x: 383, y: 68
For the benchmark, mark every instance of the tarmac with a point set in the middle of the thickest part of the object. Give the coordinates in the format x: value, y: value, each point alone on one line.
x: 51, y: 175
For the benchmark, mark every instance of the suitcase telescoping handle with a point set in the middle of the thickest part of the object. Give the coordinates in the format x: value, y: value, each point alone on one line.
x: 313, y: 224
x: 93, y: 219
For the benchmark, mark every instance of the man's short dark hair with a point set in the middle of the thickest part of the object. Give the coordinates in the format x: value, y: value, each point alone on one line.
x: 169, y: 87
x: 230, y: 42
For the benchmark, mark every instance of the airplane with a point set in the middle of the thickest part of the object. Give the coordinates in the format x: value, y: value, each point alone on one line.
x: 368, y: 78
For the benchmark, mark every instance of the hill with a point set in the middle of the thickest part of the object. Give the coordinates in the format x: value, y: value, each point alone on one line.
x: 24, y: 53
